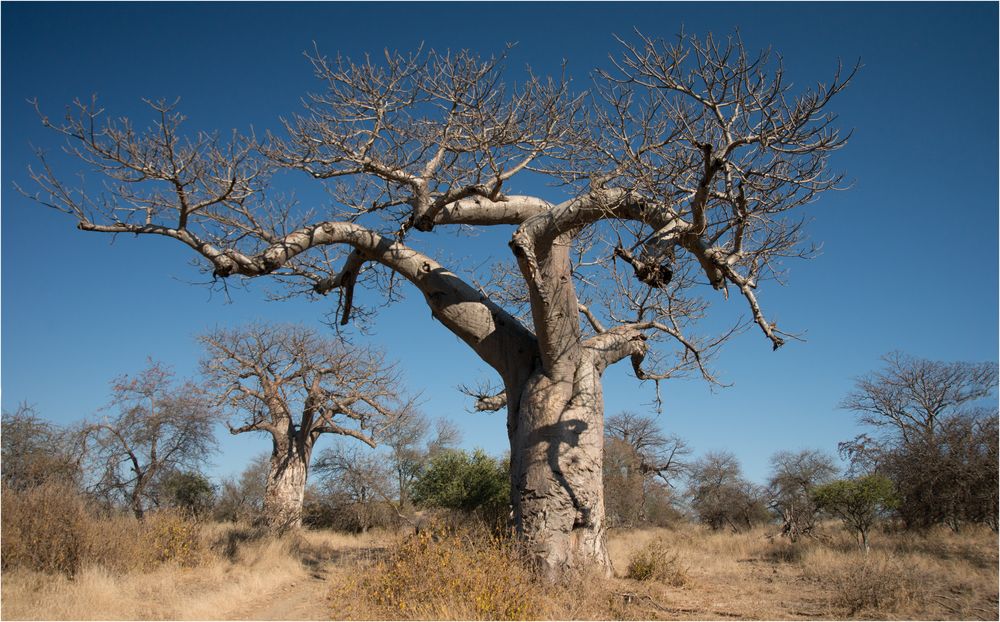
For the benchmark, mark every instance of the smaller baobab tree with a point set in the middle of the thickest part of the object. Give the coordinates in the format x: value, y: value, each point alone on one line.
x: 160, y: 427
x: 294, y: 385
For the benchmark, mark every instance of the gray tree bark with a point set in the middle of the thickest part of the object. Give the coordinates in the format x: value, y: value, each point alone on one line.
x: 286, y: 484
x: 556, y: 478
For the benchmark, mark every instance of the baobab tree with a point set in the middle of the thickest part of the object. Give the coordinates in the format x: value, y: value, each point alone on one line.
x: 294, y: 385
x: 681, y: 165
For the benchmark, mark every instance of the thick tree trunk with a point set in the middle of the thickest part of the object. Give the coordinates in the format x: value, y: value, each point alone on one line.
x: 286, y: 485
x: 557, y: 439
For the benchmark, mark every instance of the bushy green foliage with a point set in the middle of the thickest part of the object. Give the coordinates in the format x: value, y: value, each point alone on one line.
x: 858, y: 502
x: 459, y: 480
x: 189, y: 491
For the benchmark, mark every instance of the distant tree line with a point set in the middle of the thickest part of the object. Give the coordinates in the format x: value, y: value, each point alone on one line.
x: 929, y: 457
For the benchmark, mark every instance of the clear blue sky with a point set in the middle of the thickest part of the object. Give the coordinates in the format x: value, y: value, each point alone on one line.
x: 909, y: 256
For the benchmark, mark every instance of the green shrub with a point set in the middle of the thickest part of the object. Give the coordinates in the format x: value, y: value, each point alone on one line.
x: 859, y: 503
x: 458, y: 480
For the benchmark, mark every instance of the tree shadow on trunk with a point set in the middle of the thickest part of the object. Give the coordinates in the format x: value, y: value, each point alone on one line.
x: 556, y: 434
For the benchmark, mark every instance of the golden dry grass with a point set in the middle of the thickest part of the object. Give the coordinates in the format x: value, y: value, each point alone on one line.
x: 323, y: 575
x: 63, y: 560
x: 938, y: 575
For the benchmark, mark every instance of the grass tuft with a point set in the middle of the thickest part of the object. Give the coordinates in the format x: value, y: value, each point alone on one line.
x: 657, y: 561
x: 445, y: 575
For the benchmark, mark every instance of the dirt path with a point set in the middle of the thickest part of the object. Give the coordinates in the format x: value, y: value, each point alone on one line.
x: 303, y: 598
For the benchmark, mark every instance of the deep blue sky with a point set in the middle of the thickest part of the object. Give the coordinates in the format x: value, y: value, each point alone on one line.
x: 909, y: 256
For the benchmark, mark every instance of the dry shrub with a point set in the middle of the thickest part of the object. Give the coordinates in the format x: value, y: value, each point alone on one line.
x: 873, y: 584
x: 173, y: 537
x: 122, y: 544
x: 448, y: 574
x: 44, y: 529
x: 51, y: 529
x: 657, y: 561
x: 783, y: 551
x: 975, y: 544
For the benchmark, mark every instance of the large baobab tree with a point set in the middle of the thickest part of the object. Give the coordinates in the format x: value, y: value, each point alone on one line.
x: 295, y: 385
x: 683, y: 164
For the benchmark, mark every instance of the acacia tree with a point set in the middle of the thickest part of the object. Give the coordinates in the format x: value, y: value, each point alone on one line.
x: 681, y: 165
x: 359, y: 483
x: 160, y: 427
x: 721, y: 496
x: 931, y: 437
x: 242, y: 498
x: 404, y: 437
x: 793, y: 476
x: 294, y: 385
x: 912, y: 397
x: 34, y: 451
x: 636, y: 452
x: 858, y: 502
x: 659, y: 455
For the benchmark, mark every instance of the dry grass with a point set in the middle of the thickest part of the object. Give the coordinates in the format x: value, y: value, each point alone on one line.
x: 168, y: 592
x: 49, y: 529
x: 753, y: 575
x: 690, y: 573
x: 449, y: 575
x: 238, y: 573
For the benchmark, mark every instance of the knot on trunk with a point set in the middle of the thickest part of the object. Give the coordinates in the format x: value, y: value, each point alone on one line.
x: 224, y: 266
